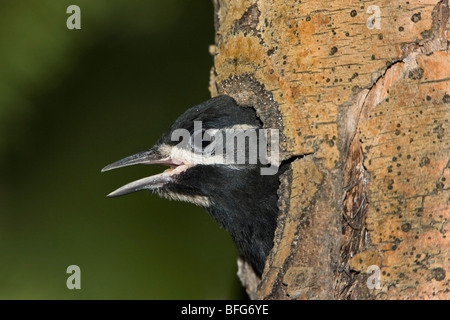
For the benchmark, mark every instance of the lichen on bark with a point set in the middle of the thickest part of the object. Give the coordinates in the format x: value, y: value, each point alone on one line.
x: 366, y: 112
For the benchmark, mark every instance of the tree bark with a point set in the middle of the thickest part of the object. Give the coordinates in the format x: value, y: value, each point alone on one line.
x: 361, y: 95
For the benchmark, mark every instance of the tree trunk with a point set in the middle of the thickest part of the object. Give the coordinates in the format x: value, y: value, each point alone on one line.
x: 361, y: 95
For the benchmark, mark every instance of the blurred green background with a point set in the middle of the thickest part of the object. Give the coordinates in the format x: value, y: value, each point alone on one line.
x: 73, y: 101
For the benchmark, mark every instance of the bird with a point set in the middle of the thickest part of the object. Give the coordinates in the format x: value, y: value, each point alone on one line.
x: 236, y: 194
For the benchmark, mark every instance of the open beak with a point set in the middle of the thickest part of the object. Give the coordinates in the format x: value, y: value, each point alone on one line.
x: 152, y: 182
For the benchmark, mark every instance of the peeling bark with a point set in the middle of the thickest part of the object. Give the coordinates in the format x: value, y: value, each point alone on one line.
x: 366, y: 111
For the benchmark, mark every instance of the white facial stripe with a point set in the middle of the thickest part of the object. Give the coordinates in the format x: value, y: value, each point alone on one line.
x: 189, y: 157
x: 187, y: 151
x: 201, y: 201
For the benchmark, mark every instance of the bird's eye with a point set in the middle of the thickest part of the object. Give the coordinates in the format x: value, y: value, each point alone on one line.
x: 205, y: 143
x: 199, y: 141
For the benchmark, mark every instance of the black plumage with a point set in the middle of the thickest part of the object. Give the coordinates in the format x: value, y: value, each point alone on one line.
x: 238, y: 197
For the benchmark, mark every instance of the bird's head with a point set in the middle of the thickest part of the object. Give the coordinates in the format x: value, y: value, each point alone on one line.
x: 206, y: 168
x: 194, y: 164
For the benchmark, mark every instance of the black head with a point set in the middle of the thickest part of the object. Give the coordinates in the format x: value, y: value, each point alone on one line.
x: 237, y: 195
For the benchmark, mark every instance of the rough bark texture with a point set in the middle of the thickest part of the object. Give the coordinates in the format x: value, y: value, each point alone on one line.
x: 365, y: 113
